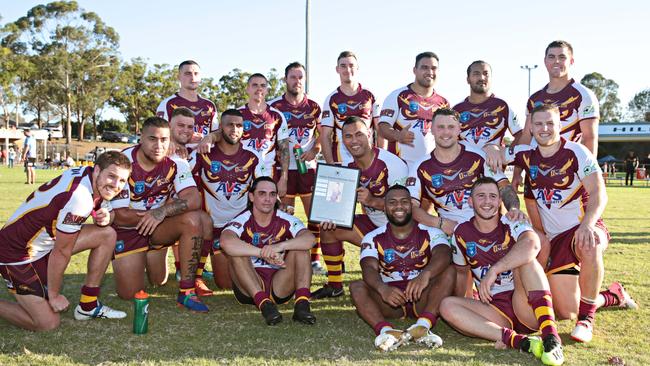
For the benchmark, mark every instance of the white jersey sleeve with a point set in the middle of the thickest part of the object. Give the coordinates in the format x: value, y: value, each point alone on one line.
x: 75, y: 211
x: 283, y: 132
x: 517, y: 228
x: 514, y: 123
x: 458, y: 258
x: 295, y: 225
x: 390, y: 109
x: 436, y: 236
x: 589, y: 107
x: 183, y: 178
x: 236, y: 225
x: 368, y: 247
x: 587, y: 163
x: 487, y: 172
x: 327, y: 117
x: 161, y: 111
x: 413, y: 181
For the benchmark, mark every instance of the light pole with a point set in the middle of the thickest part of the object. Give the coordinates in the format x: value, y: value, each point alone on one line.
x: 529, y: 69
x: 307, y: 46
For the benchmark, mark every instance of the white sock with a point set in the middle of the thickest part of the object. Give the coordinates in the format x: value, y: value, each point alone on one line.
x: 424, y: 322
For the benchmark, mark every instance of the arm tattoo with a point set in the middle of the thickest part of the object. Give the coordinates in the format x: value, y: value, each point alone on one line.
x: 175, y: 207
x: 283, y: 149
x: 197, y: 242
x: 509, y: 197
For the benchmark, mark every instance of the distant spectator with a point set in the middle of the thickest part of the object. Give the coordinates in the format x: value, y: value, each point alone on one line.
x: 69, y: 162
x: 631, y: 163
x: 29, y: 156
x: 12, y: 157
x: 4, y: 156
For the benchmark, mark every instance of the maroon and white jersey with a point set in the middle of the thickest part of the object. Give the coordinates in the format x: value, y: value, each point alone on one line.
x: 448, y: 185
x: 401, y: 259
x: 224, y: 180
x: 482, y: 250
x: 60, y: 205
x: 303, y: 121
x: 282, y: 227
x: 555, y: 182
x: 262, y: 132
x: 576, y: 103
x: 487, y: 122
x: 404, y: 107
x: 205, y: 112
x: 146, y: 190
x: 385, y: 171
x: 338, y: 106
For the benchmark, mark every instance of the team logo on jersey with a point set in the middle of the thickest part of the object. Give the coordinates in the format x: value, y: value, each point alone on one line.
x: 387, y: 113
x: 326, y: 114
x: 119, y: 246
x: 247, y: 125
x: 72, y: 219
x: 588, y: 109
x: 138, y: 188
x: 537, y: 103
x: 414, y: 106
x: 589, y: 169
x: 471, y: 249
x: 464, y: 117
x: 410, y: 181
x: 436, y: 180
x: 234, y: 224
x: 389, y: 255
x: 287, y: 116
x: 256, y: 239
x: 216, y: 245
x: 215, y: 166
x: 534, y: 170
x: 342, y: 108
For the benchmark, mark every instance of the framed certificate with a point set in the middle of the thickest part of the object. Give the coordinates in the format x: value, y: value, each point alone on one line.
x: 335, y: 195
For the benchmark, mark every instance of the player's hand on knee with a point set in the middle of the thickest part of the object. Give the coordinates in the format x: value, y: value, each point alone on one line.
x: 415, y: 287
x: 58, y: 303
x: 149, y: 221
x: 392, y: 296
x: 102, y: 217
x: 585, y: 237
x: 327, y: 226
x: 486, y: 283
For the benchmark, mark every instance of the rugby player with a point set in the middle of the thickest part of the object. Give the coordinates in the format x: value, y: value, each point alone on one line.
x: 223, y: 176
x: 160, y: 205
x: 515, y: 297
x: 406, y: 114
x: 380, y: 170
x: 268, y: 251
x: 303, y: 119
x: 349, y: 99
x: 406, y: 273
x: 485, y: 118
x: 38, y: 240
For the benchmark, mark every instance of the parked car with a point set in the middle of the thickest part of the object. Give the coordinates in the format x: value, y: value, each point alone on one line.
x: 114, y: 136
x: 133, y: 139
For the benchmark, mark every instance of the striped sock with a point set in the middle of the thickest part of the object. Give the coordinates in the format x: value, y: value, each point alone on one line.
x: 260, y: 298
x: 427, y: 319
x: 186, y: 285
x: 315, y: 229
x: 542, y: 304
x: 587, y: 310
x: 333, y: 255
x: 205, y: 252
x: 609, y: 299
x: 380, y: 326
x: 511, y: 339
x: 302, y: 294
x: 88, y: 299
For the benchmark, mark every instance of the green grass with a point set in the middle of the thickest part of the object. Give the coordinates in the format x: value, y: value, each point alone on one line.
x: 236, y: 335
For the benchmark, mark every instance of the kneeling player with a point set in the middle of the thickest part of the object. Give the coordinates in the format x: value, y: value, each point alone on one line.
x: 515, y: 295
x: 269, y: 255
x: 406, y: 272
x: 33, y: 259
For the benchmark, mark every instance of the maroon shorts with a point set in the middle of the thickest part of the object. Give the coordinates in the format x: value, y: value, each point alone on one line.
x: 502, y: 303
x: 129, y: 241
x: 298, y: 185
x: 408, y: 309
x: 563, y: 257
x: 27, y: 279
x: 266, y: 275
x: 363, y: 225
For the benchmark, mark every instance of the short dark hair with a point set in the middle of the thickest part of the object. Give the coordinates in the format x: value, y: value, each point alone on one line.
x: 397, y: 187
x: 445, y: 111
x: 345, y: 54
x: 155, y: 122
x: 187, y: 62
x: 293, y: 65
x: 427, y: 54
x: 231, y: 112
x: 112, y: 157
x: 545, y: 108
x: 182, y: 111
x: 477, y: 62
x: 253, y: 187
x: 352, y: 120
x: 559, y: 44
x: 256, y: 75
x: 484, y: 180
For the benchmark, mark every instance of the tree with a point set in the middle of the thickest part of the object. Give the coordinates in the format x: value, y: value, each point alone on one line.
x: 231, y: 89
x: 70, y: 44
x: 606, y: 91
x: 639, y: 106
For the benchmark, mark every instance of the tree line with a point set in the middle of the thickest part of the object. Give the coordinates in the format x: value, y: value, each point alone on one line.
x: 60, y: 61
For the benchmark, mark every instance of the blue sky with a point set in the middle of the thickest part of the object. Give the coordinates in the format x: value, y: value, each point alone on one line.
x: 608, y: 37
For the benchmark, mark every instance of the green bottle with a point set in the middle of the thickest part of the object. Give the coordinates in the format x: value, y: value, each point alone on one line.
x: 297, y: 152
x: 141, y: 313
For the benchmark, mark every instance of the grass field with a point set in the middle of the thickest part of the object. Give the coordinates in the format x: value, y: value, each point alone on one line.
x: 233, y: 334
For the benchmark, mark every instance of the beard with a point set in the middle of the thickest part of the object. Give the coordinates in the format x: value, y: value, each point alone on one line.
x: 400, y: 223
x: 230, y: 141
x: 480, y: 89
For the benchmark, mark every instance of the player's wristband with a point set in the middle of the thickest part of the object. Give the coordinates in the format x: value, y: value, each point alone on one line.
x: 440, y: 223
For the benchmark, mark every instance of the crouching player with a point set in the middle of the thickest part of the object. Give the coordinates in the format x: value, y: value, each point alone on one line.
x: 269, y: 255
x: 38, y: 240
x: 406, y: 273
x: 514, y: 292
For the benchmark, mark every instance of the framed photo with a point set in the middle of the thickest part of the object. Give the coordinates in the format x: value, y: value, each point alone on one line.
x: 335, y: 195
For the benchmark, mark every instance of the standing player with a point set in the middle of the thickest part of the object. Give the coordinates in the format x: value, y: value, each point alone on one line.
x: 224, y: 175
x: 38, y: 240
x: 406, y: 273
x: 29, y: 156
x: 566, y: 182
x: 484, y: 118
x: 269, y: 255
x: 303, y: 120
x: 514, y: 294
x: 189, y: 76
x: 407, y: 112
x: 160, y: 206
x: 379, y: 171
x: 349, y: 99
